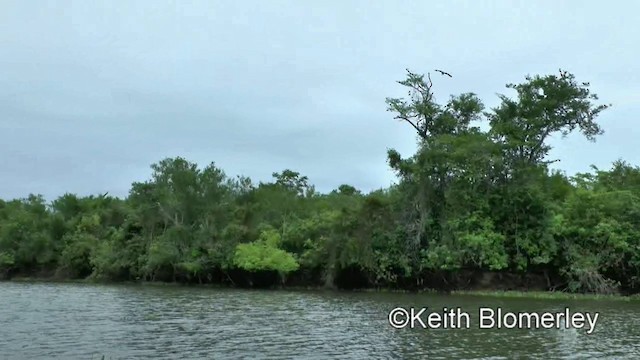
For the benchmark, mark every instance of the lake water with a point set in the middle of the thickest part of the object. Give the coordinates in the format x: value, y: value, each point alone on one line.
x: 78, y: 321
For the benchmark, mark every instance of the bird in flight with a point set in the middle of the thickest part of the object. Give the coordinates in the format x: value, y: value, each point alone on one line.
x: 443, y: 73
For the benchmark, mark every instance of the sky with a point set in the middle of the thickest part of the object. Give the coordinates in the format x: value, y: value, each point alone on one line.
x: 93, y: 92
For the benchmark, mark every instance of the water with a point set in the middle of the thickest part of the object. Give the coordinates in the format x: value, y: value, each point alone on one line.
x: 71, y: 321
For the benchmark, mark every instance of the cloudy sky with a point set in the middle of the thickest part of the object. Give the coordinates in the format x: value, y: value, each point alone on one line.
x: 93, y: 92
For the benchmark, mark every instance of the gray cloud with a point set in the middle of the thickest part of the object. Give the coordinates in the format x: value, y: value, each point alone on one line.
x: 92, y: 93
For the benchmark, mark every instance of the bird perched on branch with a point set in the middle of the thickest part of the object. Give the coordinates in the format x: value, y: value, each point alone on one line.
x: 443, y: 73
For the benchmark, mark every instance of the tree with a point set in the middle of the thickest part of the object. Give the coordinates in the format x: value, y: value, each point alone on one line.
x: 477, y: 196
x: 544, y: 105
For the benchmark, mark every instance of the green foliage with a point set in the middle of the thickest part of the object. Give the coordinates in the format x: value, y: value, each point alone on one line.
x: 476, y: 196
x: 6, y: 260
x: 479, y: 244
x: 544, y: 105
x: 264, y: 255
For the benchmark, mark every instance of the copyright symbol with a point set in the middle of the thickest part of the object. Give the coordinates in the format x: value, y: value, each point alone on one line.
x: 398, y: 318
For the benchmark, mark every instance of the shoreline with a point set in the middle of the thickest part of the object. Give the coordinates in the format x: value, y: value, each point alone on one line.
x: 522, y: 294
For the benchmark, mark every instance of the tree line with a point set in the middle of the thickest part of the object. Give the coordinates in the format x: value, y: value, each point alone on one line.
x: 478, y: 200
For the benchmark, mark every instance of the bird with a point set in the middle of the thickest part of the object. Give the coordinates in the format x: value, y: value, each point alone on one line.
x: 443, y: 73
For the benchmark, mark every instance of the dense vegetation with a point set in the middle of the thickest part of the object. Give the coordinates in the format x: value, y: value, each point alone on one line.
x: 472, y: 208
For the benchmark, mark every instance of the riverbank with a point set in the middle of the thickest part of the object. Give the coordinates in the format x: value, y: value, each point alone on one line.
x: 533, y: 294
x: 551, y: 295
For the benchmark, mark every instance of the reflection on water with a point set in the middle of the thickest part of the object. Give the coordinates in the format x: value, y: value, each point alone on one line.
x: 43, y: 321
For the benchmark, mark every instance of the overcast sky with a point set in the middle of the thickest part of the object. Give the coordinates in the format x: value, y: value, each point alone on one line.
x: 93, y: 92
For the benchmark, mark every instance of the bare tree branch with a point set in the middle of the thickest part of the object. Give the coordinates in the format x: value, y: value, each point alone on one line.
x: 443, y: 73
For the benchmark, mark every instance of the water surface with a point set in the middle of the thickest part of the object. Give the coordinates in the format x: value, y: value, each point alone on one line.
x: 86, y: 321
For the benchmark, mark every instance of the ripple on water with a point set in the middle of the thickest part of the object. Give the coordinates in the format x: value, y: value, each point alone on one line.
x: 71, y: 321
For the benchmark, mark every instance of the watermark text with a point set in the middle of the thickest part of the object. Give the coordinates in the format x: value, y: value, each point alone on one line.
x: 490, y: 318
